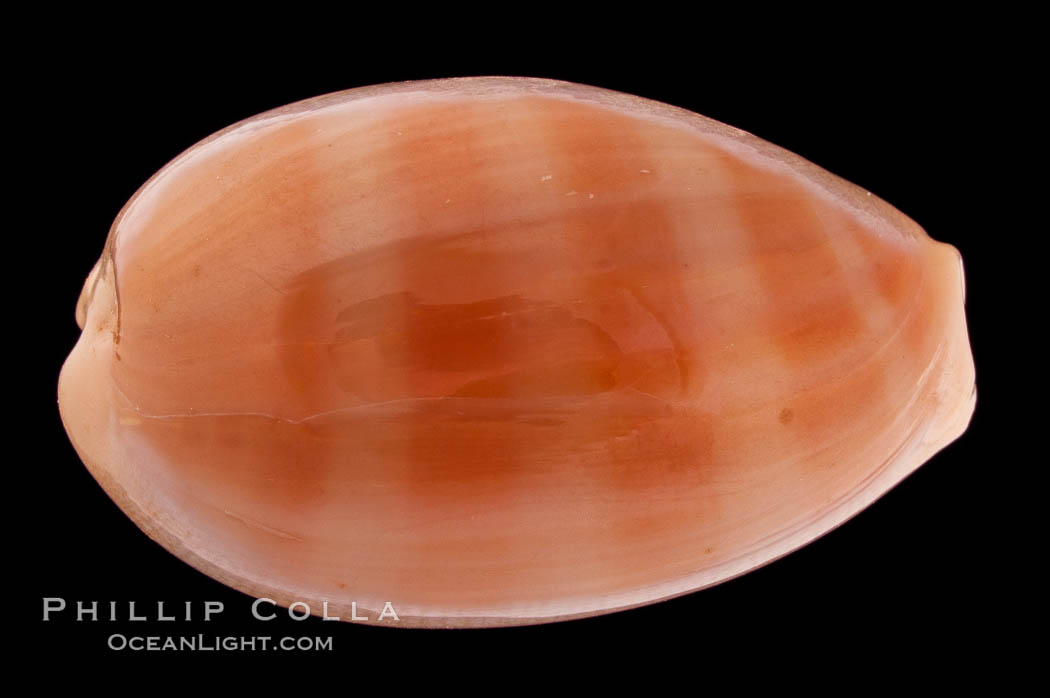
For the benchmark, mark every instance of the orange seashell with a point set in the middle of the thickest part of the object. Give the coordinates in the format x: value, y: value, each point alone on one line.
x: 505, y: 351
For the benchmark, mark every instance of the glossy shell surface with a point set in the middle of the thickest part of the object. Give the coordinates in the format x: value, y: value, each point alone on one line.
x: 506, y: 351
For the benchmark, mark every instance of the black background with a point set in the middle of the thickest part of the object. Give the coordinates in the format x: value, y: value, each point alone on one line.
x: 892, y: 114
